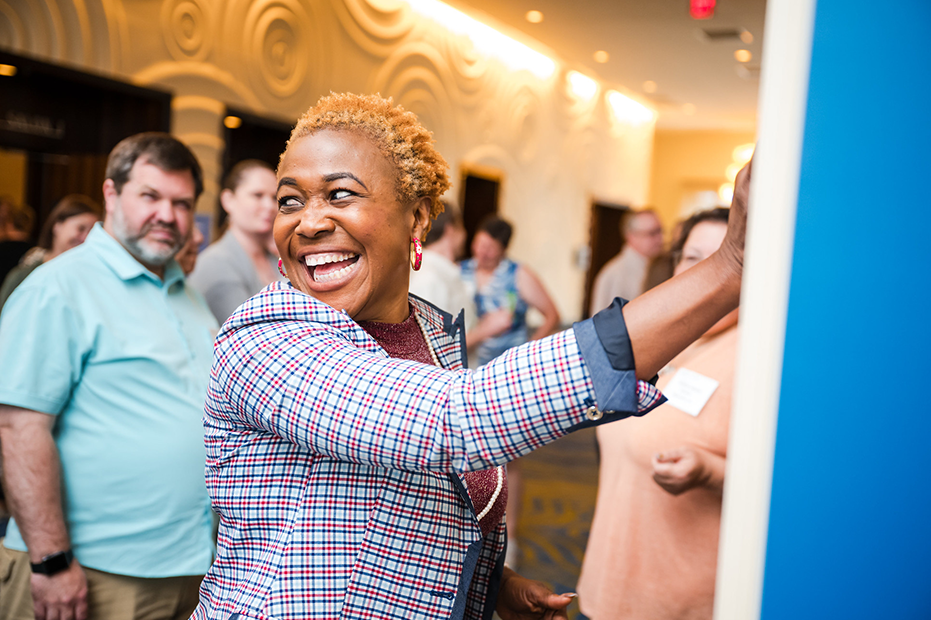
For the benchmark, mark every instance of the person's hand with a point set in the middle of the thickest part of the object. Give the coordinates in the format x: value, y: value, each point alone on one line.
x: 733, y: 244
x: 496, y: 322
x: 63, y: 596
x: 679, y: 470
x: 524, y: 599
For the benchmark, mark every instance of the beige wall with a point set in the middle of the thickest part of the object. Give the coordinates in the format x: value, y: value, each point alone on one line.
x: 277, y: 57
x: 687, y: 162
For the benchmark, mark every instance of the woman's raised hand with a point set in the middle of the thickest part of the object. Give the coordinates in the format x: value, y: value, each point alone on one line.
x: 733, y: 245
x: 666, y: 319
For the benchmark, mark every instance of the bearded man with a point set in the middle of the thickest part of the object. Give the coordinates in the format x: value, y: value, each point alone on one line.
x: 105, y: 353
x: 624, y: 275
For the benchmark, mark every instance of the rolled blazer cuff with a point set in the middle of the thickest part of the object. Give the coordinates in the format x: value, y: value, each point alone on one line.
x: 605, y: 346
x: 615, y: 389
x: 612, y: 332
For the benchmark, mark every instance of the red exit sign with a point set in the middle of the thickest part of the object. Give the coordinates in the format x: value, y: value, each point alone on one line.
x: 701, y: 9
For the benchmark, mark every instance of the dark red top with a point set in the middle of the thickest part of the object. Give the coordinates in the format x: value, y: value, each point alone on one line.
x: 406, y: 341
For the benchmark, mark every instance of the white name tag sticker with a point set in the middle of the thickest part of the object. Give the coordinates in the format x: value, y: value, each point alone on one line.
x: 688, y: 391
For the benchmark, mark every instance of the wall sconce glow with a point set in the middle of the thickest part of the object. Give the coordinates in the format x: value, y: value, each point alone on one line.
x: 743, y: 56
x: 649, y: 87
x: 7, y: 70
x: 747, y: 37
x: 581, y: 85
x: 601, y: 57
x: 534, y: 17
x: 627, y: 110
x: 743, y: 153
x: 514, y: 55
x: 726, y: 193
x: 232, y: 122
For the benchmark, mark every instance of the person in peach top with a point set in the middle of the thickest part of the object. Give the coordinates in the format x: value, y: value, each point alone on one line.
x: 652, y: 550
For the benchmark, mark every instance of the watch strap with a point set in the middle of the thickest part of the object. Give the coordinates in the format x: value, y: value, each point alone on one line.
x: 53, y: 563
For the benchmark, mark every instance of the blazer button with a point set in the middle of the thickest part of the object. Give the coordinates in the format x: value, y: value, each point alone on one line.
x: 592, y: 413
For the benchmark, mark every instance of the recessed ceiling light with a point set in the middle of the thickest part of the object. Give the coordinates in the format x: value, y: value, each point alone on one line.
x: 601, y: 56
x: 232, y: 122
x: 534, y: 17
x: 688, y: 109
x: 743, y: 55
x: 747, y: 37
x: 649, y: 86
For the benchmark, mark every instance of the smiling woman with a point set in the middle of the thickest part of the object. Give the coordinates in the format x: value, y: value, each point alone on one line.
x: 356, y: 465
x: 342, y: 230
x: 358, y: 182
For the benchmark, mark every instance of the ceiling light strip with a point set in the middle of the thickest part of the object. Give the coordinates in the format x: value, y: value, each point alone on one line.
x: 511, y: 53
x: 627, y: 110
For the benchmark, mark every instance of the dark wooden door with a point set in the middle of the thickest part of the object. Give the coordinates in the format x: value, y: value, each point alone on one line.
x: 254, y: 137
x: 480, y: 191
x: 66, y: 122
x: 605, y: 242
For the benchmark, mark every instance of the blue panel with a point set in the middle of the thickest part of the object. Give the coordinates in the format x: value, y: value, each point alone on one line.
x: 850, y: 522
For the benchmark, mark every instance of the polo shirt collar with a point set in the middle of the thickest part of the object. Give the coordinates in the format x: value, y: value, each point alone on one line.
x: 125, y: 264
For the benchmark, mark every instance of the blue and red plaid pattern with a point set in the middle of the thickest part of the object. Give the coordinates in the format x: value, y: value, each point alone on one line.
x: 336, y: 470
x: 648, y: 397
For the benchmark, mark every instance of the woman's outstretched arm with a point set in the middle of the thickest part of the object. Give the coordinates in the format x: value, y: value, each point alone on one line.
x: 666, y: 319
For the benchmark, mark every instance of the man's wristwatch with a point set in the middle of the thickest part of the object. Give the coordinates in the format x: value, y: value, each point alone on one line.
x: 54, y: 563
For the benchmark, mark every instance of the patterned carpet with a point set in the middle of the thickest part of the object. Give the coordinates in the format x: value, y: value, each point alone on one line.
x: 560, y: 484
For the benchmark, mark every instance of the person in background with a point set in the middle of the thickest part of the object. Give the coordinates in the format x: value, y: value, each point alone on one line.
x: 66, y: 227
x: 652, y: 550
x: 505, y: 290
x: 7, y: 206
x: 104, y: 360
x: 12, y: 248
x: 439, y: 279
x: 623, y: 276
x: 659, y: 270
x: 242, y: 261
x: 16, y: 224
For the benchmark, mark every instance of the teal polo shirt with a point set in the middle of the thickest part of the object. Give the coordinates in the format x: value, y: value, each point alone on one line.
x: 122, y: 359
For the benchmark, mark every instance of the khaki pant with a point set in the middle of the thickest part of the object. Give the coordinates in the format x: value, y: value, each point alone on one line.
x: 109, y: 596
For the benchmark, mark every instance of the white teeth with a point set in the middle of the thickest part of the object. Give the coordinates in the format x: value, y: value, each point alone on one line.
x: 322, y: 259
x: 334, y: 275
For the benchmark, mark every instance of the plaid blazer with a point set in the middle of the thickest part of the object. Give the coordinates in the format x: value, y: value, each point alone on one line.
x: 336, y: 470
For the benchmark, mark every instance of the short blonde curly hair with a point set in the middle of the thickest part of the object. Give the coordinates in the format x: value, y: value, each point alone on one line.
x: 422, y: 171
